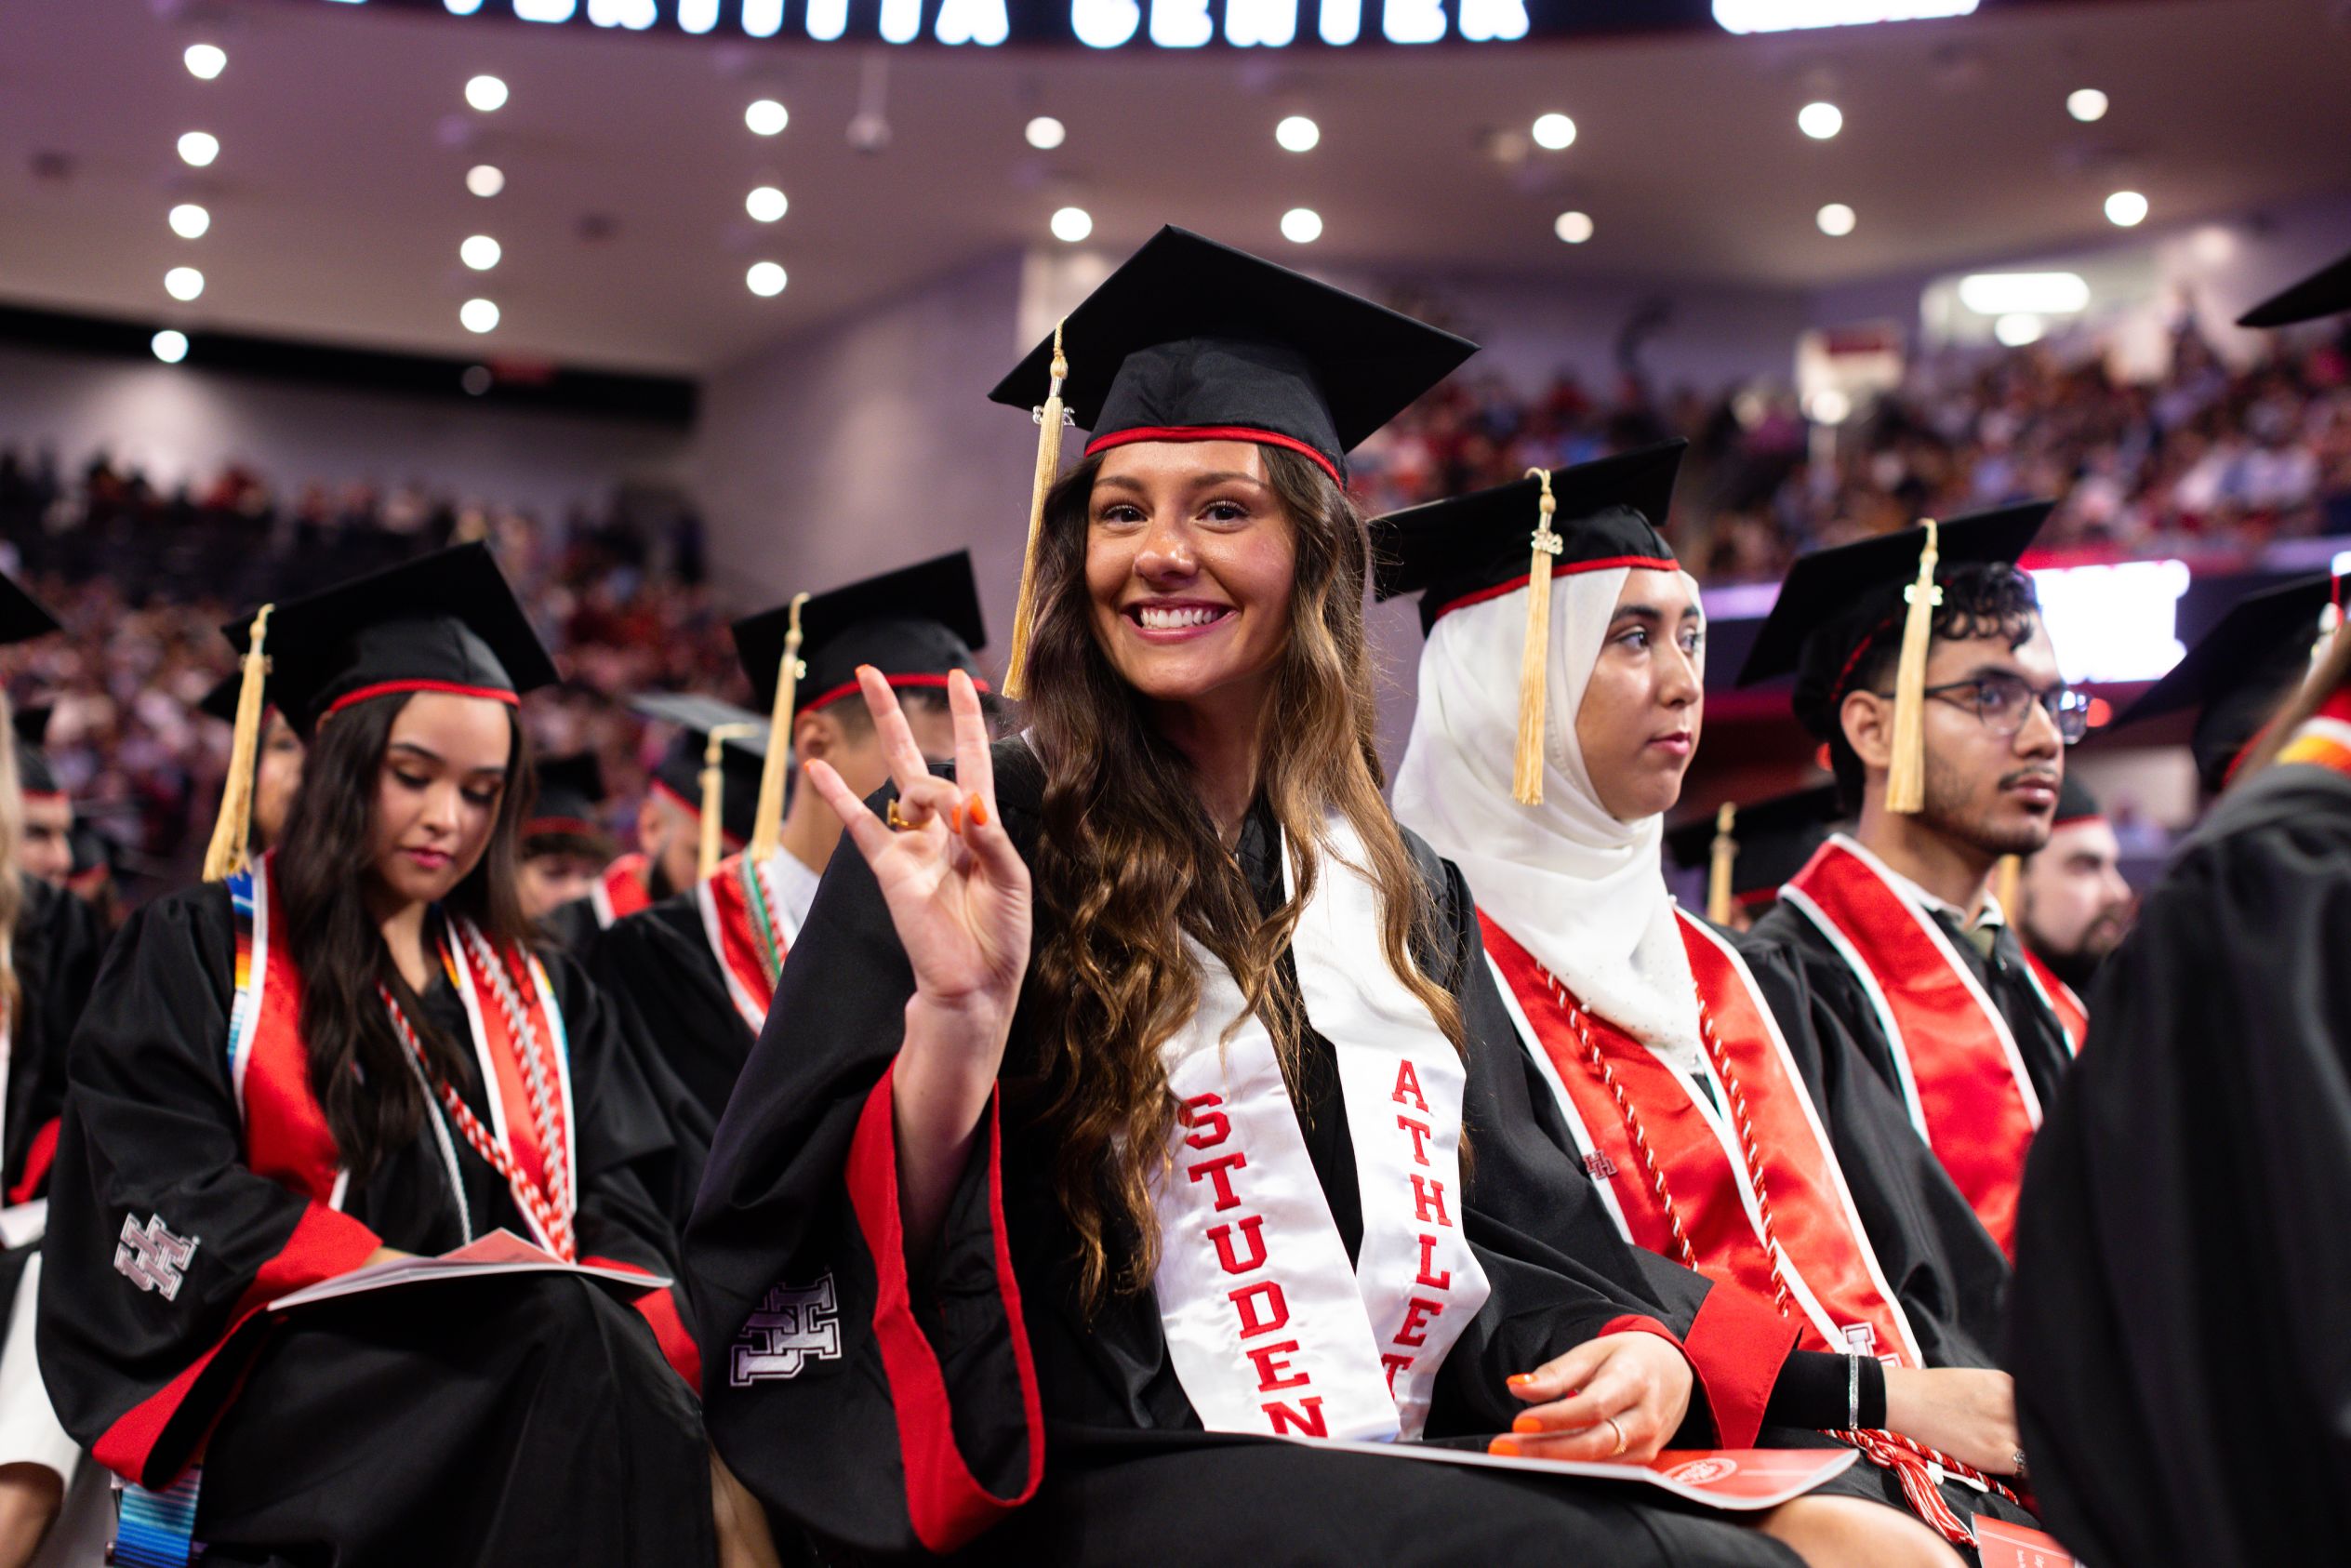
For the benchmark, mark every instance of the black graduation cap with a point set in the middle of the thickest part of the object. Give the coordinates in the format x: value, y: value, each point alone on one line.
x: 22, y: 618
x: 570, y: 799
x: 2239, y: 673
x: 1836, y: 602
x: 1769, y: 843
x: 34, y: 777
x: 2324, y: 293
x: 446, y: 621
x: 915, y: 625
x: 743, y: 752
x: 1611, y: 513
x: 2075, y: 804
x: 1190, y: 337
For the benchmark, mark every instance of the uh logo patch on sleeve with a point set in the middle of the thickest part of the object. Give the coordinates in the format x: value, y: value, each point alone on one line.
x: 152, y: 1257
x: 793, y: 1326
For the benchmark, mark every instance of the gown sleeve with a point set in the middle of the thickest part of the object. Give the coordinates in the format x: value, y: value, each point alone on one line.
x: 883, y: 1411
x: 1560, y: 1272
x: 2183, y: 1382
x: 59, y: 943
x: 161, y: 1240
x: 620, y: 1135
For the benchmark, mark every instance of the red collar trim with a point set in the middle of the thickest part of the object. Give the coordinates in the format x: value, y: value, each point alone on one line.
x: 1636, y: 562
x: 920, y: 678
x: 388, y: 688
x: 1214, y: 432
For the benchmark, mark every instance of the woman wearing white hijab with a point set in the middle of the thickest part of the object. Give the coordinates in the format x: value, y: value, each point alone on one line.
x: 1688, y: 1077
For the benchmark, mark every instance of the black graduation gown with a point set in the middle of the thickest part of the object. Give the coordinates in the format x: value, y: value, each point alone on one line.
x: 570, y: 927
x: 57, y: 945
x: 841, y: 1449
x: 492, y: 1421
x: 2040, y: 1039
x: 2181, y: 1262
x: 663, y: 982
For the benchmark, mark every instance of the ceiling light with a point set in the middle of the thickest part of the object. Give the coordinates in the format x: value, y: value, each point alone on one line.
x: 1302, y: 225
x: 1554, y: 131
x: 1071, y: 224
x: 486, y: 93
x: 478, y: 315
x: 1835, y: 220
x: 199, y: 148
x: 2018, y: 329
x: 1297, y: 134
x: 1046, y: 133
x: 2125, y: 209
x: 170, y: 346
x: 486, y: 180
x: 1820, y: 121
x: 767, y: 117
x: 765, y: 279
x: 767, y: 204
x: 1831, y: 406
x: 479, y: 252
x: 2086, y: 104
x: 183, y: 282
x: 2048, y: 294
x: 1781, y: 16
x: 204, y: 61
x: 189, y: 221
x: 1572, y: 227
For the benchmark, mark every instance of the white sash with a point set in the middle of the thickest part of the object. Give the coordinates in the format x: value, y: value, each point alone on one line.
x: 1268, y: 1328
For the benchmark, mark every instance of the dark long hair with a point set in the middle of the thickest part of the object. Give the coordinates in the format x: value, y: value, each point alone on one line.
x: 1130, y: 864
x: 359, y: 1068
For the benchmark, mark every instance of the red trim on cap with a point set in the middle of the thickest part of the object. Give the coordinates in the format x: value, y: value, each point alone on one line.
x: 896, y: 682
x: 1637, y: 562
x: 690, y: 808
x: 388, y: 688
x: 46, y: 795
x: 1213, y: 433
x: 562, y: 827
x: 2077, y: 821
x: 1836, y: 692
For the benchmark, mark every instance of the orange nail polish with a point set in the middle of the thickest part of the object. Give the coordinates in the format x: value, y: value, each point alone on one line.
x: 1506, y: 1447
x: 1520, y: 1379
x: 1527, y: 1423
x: 980, y: 812
x: 959, y: 816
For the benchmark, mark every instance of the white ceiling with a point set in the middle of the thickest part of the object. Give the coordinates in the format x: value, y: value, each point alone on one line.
x: 338, y: 201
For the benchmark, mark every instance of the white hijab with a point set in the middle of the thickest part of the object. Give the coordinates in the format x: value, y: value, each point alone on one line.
x: 1582, y: 892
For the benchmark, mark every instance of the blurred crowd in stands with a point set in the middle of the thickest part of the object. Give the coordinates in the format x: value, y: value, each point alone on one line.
x: 2206, y: 461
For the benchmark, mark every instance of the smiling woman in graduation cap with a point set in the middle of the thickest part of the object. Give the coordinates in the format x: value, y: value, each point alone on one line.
x: 1115, y: 1089
x: 1725, y: 1118
x: 343, y: 1052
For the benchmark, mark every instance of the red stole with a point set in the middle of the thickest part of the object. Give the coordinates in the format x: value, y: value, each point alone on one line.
x: 1675, y: 1168
x: 625, y: 887
x: 1963, y: 1079
x: 749, y: 933
x: 2073, y: 1013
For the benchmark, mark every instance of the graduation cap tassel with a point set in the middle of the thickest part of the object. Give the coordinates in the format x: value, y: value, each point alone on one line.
x: 714, y: 795
x: 226, y: 852
x: 2005, y: 878
x: 1906, y: 777
x: 767, y: 826
x: 1534, y: 659
x: 1725, y: 855
x: 1050, y: 421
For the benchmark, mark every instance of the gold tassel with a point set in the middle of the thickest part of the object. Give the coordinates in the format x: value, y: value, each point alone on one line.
x: 226, y: 853
x: 1534, y: 658
x: 1726, y: 853
x: 715, y: 796
x: 2005, y: 878
x: 767, y: 826
x: 1906, y: 776
x: 1050, y: 419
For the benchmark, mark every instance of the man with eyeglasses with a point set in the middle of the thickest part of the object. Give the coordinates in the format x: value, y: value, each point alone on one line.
x: 1896, y: 924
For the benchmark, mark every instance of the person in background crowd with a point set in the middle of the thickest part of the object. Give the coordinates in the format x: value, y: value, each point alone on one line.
x: 2073, y: 905
x: 2176, y: 1330
x: 277, y: 770
x: 346, y: 1055
x: 565, y: 846
x: 1920, y: 658
x: 44, y: 849
x: 692, y: 975
x: 1664, y: 1046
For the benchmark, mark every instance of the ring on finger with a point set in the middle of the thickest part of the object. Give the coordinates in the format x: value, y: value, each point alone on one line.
x: 895, y: 818
x: 1620, y: 1436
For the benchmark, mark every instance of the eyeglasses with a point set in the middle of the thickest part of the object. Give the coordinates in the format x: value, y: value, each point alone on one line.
x: 2001, y: 702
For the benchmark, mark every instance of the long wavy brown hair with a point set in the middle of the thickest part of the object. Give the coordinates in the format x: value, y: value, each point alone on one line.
x: 1130, y: 864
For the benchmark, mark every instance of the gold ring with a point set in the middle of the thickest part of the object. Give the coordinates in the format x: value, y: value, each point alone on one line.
x: 1620, y: 1436
x: 897, y: 821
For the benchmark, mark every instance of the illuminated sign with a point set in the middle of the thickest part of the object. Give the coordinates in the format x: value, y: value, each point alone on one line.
x: 2114, y: 623
x: 1182, y: 25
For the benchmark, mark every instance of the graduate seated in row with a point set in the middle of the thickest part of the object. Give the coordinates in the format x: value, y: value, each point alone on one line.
x: 277, y: 764
x: 2073, y: 904
x: 692, y: 975
x: 1726, y: 1119
x: 1746, y: 852
x: 344, y: 1053
x: 1921, y: 660
x: 49, y: 949
x: 1109, y: 1120
x: 563, y: 847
